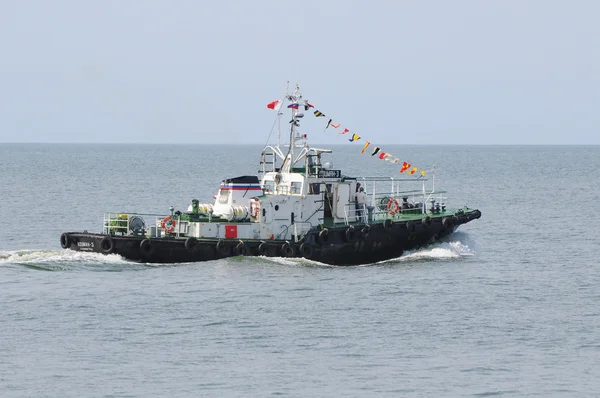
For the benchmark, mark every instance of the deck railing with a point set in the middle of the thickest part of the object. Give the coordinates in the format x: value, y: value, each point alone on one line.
x: 389, y: 198
x: 143, y: 224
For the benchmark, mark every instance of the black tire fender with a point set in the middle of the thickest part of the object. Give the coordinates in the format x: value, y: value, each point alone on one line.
x: 287, y: 250
x: 446, y: 222
x: 350, y: 234
x: 359, y: 245
x: 146, y: 247
x: 107, y: 245
x: 365, y: 231
x: 411, y: 227
x: 65, y: 240
x: 263, y: 249
x: 190, y: 242
x: 426, y: 221
x: 222, y: 248
x: 387, y: 224
x: 306, y: 250
x: 241, y: 249
x: 323, y: 236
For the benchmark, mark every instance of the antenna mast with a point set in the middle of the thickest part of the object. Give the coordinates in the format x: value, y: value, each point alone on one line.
x: 294, y: 100
x: 279, y: 113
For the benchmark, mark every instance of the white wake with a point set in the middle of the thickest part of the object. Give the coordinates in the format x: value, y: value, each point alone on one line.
x: 57, y: 257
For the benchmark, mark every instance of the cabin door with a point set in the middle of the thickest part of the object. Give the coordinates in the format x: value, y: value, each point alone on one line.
x: 267, y: 219
x: 342, y: 198
x: 327, y: 203
x: 267, y: 213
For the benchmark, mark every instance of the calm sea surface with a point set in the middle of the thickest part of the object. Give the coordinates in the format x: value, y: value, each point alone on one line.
x: 508, y: 306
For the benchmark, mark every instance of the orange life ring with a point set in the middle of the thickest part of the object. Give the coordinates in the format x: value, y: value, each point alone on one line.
x: 169, y: 224
x: 393, y: 207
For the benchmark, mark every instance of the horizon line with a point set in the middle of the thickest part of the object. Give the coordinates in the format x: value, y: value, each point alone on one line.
x: 251, y: 144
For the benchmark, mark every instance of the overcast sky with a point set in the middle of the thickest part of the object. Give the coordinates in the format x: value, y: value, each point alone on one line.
x: 414, y: 72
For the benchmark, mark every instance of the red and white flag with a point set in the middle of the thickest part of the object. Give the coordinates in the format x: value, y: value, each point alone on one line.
x: 275, y: 105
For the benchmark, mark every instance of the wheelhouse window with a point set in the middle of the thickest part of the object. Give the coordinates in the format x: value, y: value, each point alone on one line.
x: 269, y: 186
x: 296, y: 188
x: 224, y: 195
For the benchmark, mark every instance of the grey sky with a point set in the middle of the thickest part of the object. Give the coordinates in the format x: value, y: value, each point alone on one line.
x: 414, y: 72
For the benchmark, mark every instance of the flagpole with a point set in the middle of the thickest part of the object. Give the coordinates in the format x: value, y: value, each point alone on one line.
x: 287, y: 85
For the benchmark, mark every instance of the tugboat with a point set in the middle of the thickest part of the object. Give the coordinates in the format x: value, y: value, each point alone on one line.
x: 297, y: 206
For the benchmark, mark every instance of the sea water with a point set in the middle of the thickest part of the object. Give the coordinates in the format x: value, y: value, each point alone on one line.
x: 507, y: 306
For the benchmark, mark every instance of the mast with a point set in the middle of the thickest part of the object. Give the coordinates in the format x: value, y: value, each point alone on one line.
x: 279, y: 114
x: 294, y: 100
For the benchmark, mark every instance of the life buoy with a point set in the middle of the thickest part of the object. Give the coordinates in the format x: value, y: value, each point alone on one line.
x: 65, y: 240
x: 350, y: 234
x: 323, y: 236
x: 393, y: 206
x: 255, y: 208
x: 263, y: 248
x: 168, y: 224
x: 190, y: 243
x: 222, y: 248
x: 306, y: 250
x: 107, y: 244
x: 287, y: 250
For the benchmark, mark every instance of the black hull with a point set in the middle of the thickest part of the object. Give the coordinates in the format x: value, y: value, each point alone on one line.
x: 337, y: 246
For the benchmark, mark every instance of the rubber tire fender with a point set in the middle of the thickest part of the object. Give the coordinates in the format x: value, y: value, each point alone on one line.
x: 323, y: 236
x: 241, y: 249
x: 359, y: 245
x: 263, y: 249
x: 411, y: 227
x: 350, y: 234
x: 222, y: 248
x: 190, y: 243
x: 65, y: 240
x: 107, y: 245
x: 365, y: 231
x: 387, y: 224
x: 306, y: 250
x: 446, y: 222
x: 426, y: 221
x: 146, y: 247
x: 287, y: 250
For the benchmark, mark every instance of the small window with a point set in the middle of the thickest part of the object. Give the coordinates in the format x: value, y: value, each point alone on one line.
x: 296, y: 188
x: 224, y: 196
x: 269, y: 186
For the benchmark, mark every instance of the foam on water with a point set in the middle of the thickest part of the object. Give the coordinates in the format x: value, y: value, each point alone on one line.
x: 297, y: 261
x: 58, y: 256
x: 58, y: 259
x: 444, y: 250
x: 448, y: 250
